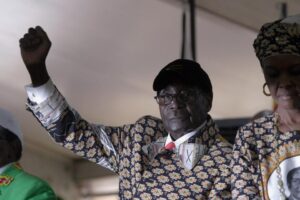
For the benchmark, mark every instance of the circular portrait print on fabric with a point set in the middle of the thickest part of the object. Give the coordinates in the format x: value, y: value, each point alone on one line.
x: 290, y: 173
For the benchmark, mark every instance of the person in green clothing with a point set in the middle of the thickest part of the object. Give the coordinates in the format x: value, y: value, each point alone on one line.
x: 15, y: 183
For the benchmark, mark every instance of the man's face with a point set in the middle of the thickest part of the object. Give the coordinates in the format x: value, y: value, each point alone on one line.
x: 295, y: 185
x: 186, y: 111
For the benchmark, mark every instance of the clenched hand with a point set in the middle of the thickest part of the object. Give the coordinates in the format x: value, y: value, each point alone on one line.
x: 35, y: 46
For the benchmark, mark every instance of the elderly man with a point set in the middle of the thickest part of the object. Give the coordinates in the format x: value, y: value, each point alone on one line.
x: 16, y: 184
x: 181, y: 156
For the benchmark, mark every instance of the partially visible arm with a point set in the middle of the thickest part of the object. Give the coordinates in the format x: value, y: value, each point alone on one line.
x: 94, y: 142
x: 244, y: 166
x: 97, y: 143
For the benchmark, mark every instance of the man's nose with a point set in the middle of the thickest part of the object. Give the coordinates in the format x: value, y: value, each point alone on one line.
x: 176, y: 102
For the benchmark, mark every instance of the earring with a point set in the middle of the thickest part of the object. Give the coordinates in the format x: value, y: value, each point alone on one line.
x: 264, y: 90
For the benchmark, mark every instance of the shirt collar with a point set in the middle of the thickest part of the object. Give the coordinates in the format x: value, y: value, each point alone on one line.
x: 2, y: 169
x: 185, y: 137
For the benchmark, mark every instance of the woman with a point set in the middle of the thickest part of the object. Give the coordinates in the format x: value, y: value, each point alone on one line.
x: 268, y: 148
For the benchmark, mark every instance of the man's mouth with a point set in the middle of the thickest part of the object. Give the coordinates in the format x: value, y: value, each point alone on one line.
x: 179, y: 117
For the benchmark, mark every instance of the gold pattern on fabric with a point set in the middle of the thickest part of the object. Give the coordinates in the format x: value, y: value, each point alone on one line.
x: 277, y: 38
x: 256, y: 157
x: 122, y: 150
x: 5, y: 180
x: 269, y: 164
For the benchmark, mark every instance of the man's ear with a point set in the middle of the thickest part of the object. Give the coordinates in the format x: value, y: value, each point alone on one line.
x: 208, y: 105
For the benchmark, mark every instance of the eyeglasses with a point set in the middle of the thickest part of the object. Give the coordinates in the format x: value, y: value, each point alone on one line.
x: 183, y: 96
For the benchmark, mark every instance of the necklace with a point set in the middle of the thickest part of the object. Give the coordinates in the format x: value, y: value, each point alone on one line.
x: 280, y: 183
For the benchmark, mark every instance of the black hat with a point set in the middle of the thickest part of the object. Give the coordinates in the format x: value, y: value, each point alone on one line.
x: 187, y: 71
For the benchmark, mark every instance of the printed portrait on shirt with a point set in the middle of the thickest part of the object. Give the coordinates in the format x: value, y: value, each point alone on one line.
x: 290, y: 175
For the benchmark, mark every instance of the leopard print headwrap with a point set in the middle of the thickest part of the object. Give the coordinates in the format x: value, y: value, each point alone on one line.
x: 279, y: 37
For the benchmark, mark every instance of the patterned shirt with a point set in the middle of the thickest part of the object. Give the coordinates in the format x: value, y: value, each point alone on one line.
x: 128, y: 151
x: 258, y: 151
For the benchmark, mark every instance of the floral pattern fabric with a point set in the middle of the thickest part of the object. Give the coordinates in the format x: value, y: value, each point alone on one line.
x: 277, y: 38
x: 258, y: 151
x: 120, y: 149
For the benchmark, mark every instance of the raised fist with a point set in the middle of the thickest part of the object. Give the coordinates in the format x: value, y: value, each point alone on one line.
x: 35, y: 46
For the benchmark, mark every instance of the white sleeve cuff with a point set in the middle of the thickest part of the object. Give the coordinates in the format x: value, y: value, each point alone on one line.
x: 41, y: 93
